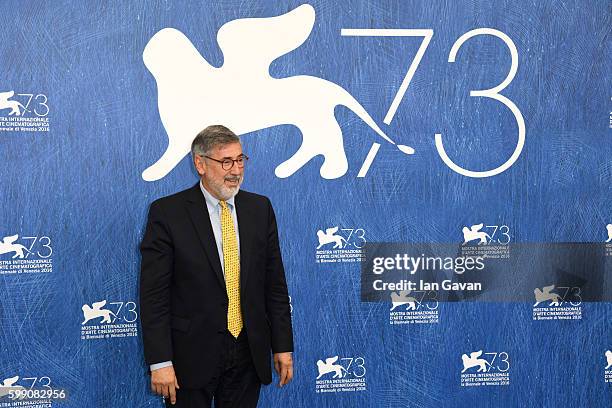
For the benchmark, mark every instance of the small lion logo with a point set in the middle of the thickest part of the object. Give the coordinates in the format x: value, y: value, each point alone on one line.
x: 546, y: 293
x: 473, y: 361
x: 474, y: 233
x: 8, y: 245
x: 8, y: 385
x: 329, y: 236
x: 96, y: 311
x: 328, y: 366
x: 14, y: 106
x: 401, y: 298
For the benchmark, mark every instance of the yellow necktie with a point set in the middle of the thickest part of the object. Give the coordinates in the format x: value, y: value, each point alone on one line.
x: 231, y: 264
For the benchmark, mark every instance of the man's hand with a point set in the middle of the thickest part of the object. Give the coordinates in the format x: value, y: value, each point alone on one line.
x: 163, y: 382
x: 283, y: 364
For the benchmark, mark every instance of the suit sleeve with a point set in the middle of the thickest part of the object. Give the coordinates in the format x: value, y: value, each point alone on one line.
x: 155, y: 276
x: 277, y: 297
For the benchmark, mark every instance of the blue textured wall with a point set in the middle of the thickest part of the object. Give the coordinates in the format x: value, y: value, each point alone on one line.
x: 80, y: 185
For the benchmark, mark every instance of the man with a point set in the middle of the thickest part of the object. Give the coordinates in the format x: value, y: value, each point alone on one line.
x: 213, y: 295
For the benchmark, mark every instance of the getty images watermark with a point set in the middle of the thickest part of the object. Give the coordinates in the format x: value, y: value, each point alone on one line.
x: 417, y: 276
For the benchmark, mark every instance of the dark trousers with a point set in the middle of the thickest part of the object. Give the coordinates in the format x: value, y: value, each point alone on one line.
x: 236, y: 384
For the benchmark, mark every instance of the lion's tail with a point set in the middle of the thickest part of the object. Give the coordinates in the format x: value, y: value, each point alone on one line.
x: 355, y: 106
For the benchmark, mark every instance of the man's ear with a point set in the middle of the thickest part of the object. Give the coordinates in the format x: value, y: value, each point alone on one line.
x: 200, y: 164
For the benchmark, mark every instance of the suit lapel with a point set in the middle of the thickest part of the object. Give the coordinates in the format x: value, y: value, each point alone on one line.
x: 246, y: 231
x: 196, y: 207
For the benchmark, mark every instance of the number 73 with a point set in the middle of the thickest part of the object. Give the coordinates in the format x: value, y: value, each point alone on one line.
x: 493, y: 93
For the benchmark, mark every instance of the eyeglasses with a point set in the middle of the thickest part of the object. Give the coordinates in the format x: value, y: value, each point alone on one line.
x: 227, y: 164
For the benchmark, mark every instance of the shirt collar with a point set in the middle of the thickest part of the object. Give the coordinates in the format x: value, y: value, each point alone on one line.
x: 211, y: 201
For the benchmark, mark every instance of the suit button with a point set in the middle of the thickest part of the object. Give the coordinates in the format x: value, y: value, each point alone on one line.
x: 220, y: 331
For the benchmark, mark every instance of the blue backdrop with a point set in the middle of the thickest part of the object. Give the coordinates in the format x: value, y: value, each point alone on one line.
x: 83, y: 123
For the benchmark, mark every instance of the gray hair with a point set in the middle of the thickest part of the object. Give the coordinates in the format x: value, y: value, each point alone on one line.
x: 212, y: 137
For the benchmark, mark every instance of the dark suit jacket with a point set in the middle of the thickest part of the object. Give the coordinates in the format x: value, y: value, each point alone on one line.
x: 183, y: 299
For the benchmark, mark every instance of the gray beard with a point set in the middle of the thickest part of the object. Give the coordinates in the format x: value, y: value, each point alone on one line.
x: 226, y: 193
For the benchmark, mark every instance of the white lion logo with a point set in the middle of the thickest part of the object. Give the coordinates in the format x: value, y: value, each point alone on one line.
x: 8, y: 245
x: 8, y: 385
x: 609, y: 228
x: 96, y: 311
x: 545, y: 294
x: 473, y: 361
x: 242, y: 95
x: 6, y: 103
x: 329, y: 236
x: 475, y: 233
x: 401, y: 298
x: 329, y: 367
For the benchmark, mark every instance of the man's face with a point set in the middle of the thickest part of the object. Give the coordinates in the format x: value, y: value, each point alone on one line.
x: 222, y: 184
